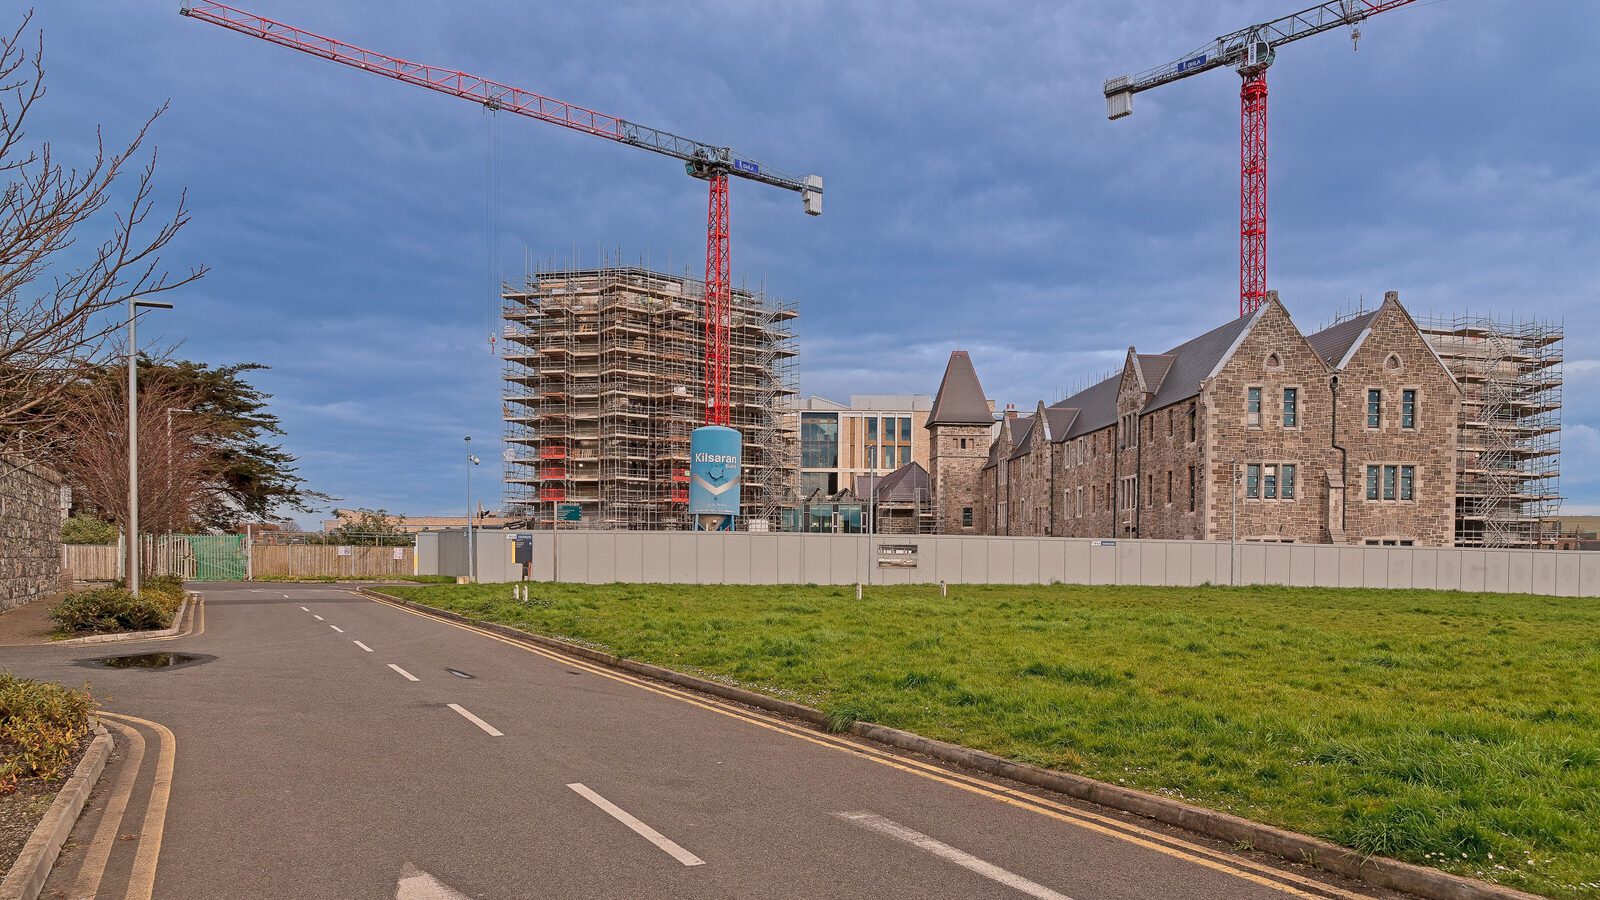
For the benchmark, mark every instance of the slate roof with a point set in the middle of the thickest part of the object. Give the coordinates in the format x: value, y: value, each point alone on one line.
x: 1174, y: 376
x: 1059, y: 422
x: 1334, y: 342
x: 960, y: 400
x: 1024, y: 443
x: 907, y: 484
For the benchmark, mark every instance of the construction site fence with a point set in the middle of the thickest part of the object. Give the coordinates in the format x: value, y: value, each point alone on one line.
x: 597, y: 557
x: 228, y: 558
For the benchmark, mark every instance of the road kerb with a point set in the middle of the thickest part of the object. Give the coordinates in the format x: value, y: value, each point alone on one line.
x: 28, y: 874
x: 177, y: 625
x: 1421, y: 881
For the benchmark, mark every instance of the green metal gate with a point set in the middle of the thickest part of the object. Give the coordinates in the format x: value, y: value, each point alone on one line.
x: 217, y: 557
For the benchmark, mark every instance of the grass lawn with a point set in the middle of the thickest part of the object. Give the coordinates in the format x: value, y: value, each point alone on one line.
x: 1456, y: 730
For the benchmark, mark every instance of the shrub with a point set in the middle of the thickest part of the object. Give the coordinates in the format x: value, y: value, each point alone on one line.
x: 83, y: 528
x: 115, y: 609
x: 40, y: 727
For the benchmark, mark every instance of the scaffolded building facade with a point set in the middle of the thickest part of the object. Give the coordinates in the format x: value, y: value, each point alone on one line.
x: 1509, y: 431
x: 604, y: 382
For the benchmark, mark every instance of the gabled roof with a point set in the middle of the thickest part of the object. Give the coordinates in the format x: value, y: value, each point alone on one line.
x: 960, y: 400
x: 1096, y: 408
x: 1154, y: 367
x: 1194, y: 360
x: 1059, y: 422
x: 1334, y: 343
x: 1028, y: 424
x: 907, y: 484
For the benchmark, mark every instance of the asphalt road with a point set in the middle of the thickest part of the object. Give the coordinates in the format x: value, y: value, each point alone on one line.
x: 444, y: 762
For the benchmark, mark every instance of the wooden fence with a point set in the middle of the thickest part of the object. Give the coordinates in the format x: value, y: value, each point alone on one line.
x: 326, y: 559
x: 96, y: 562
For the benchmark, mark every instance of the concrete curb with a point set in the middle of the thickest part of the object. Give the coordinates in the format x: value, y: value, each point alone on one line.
x: 28, y: 874
x: 1431, y: 884
x: 177, y: 625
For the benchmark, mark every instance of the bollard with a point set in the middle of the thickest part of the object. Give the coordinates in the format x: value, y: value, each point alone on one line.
x: 858, y: 590
x: 944, y: 589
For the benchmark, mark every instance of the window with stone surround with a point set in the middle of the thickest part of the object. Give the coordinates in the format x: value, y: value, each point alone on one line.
x: 1252, y: 407
x: 1374, y: 408
x: 1408, y: 409
x: 966, y: 517
x: 1169, y: 487
x: 1392, y: 482
x: 1269, y: 481
x: 1291, y: 407
x: 1193, y: 428
x: 1191, y: 489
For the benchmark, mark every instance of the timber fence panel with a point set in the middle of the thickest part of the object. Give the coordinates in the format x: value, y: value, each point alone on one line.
x: 89, y: 562
x: 306, y: 560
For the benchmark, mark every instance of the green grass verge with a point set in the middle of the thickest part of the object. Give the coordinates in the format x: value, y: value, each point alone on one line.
x: 332, y: 579
x: 1455, y: 730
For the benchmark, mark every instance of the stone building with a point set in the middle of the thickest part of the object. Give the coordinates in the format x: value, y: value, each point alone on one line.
x: 960, y: 427
x: 31, y: 511
x: 1345, y: 435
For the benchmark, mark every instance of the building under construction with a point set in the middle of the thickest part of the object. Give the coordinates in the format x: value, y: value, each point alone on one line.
x: 604, y: 382
x: 1509, y: 431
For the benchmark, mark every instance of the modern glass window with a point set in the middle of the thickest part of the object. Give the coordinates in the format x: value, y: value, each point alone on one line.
x: 1408, y: 409
x: 905, y: 431
x: 819, y: 440
x: 1287, y: 489
x: 888, y: 457
x: 1291, y: 407
x: 1269, y: 482
x: 1252, y: 481
x: 1252, y: 408
x: 1374, y: 408
x: 872, y: 429
x: 1408, y: 482
x: 1372, y: 482
x: 1389, y: 474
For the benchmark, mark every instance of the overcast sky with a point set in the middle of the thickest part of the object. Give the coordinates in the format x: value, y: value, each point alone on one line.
x: 976, y: 194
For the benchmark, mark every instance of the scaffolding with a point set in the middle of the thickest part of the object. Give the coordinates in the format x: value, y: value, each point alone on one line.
x: 1508, y: 436
x: 604, y: 382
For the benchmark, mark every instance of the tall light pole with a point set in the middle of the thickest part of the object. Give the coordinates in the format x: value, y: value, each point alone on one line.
x: 134, y: 305
x: 472, y: 558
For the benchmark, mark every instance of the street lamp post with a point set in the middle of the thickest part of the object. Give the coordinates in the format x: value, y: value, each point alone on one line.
x: 134, y: 305
x: 472, y: 559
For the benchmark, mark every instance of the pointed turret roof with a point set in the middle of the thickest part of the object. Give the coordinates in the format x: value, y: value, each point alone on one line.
x: 960, y: 400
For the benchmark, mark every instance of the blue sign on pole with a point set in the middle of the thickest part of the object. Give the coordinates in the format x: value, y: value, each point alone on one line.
x: 715, y: 467
x: 569, y: 512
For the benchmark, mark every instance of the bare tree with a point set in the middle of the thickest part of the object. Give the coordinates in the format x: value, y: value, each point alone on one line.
x: 57, y: 298
x: 177, y: 469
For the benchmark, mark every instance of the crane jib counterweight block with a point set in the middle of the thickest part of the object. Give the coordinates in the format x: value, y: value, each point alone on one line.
x: 715, y: 469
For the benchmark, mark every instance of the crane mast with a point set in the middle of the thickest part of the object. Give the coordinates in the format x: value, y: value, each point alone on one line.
x: 709, y: 162
x: 1250, y: 51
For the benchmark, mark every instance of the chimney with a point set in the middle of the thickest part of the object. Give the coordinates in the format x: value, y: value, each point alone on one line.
x: 1272, y: 296
x: 1391, y: 296
x: 1011, y: 410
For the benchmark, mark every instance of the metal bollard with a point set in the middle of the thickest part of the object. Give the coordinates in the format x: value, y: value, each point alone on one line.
x: 858, y: 590
x: 944, y: 589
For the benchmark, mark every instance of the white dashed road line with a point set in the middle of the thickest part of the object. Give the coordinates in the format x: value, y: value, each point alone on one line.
x: 639, y: 828
x: 408, y: 676
x: 966, y: 861
x: 337, y: 628
x: 493, y: 731
x: 304, y: 609
x: 317, y: 617
x: 363, y: 646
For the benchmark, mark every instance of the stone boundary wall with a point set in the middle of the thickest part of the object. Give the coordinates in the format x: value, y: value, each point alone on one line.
x: 30, y: 531
x: 599, y: 557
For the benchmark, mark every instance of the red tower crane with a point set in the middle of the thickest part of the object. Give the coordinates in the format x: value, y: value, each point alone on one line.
x: 707, y: 162
x: 1251, y: 51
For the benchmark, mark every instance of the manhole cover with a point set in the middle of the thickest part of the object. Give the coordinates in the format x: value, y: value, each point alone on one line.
x: 163, y: 660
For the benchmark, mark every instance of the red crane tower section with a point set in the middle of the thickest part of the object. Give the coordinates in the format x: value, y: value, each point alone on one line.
x: 708, y: 162
x: 1251, y: 51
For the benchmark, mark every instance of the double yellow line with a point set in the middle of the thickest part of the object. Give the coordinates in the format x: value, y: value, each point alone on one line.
x: 1281, y: 880
x: 97, y: 853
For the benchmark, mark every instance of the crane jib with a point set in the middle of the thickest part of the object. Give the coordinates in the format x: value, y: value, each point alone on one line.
x: 1193, y: 62
x: 742, y: 165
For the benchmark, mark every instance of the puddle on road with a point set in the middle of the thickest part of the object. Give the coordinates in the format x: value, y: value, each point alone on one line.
x: 163, y: 660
